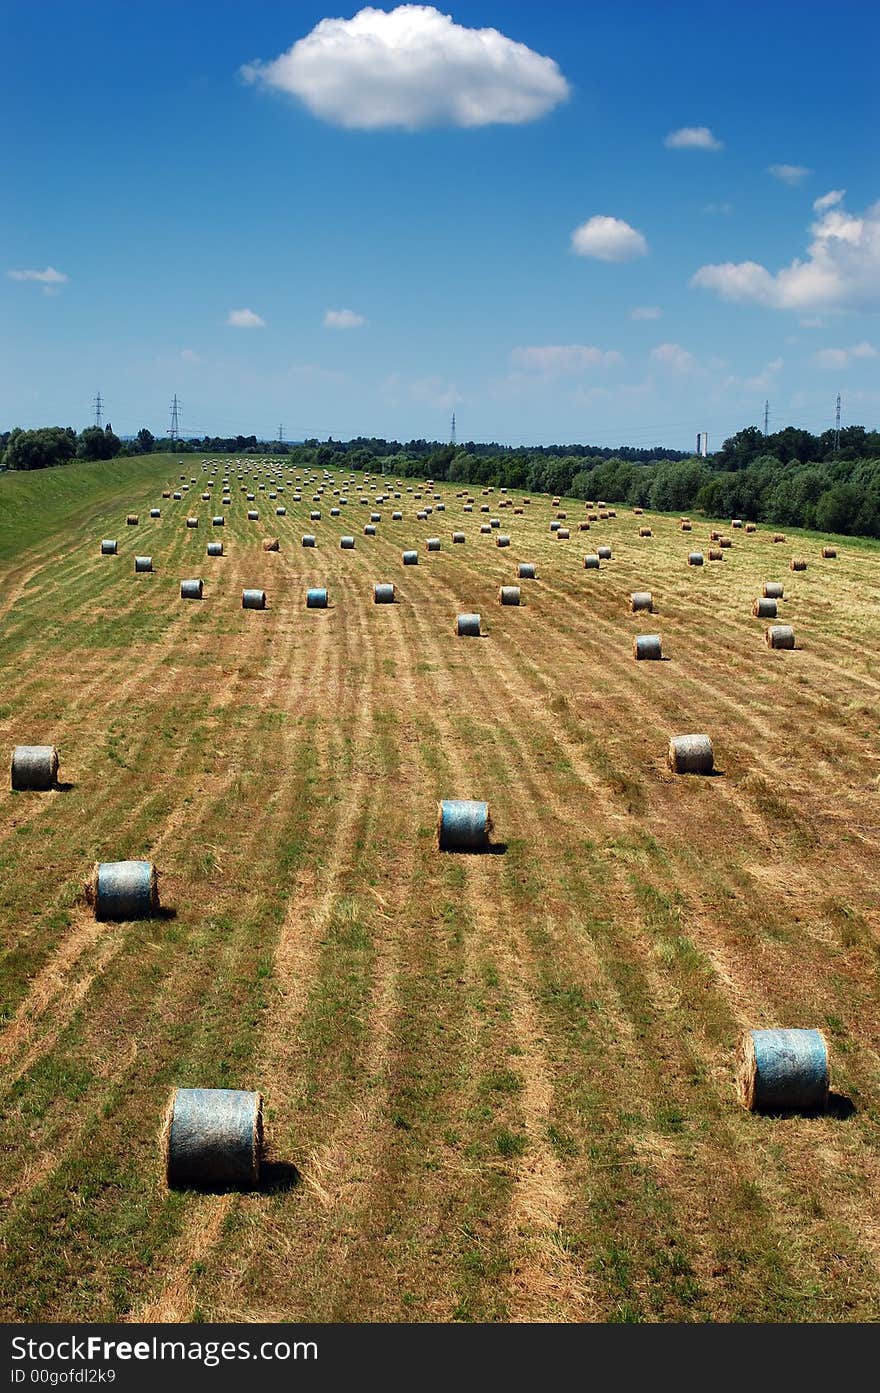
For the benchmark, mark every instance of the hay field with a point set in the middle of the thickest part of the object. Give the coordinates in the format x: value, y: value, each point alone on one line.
x: 497, y: 1087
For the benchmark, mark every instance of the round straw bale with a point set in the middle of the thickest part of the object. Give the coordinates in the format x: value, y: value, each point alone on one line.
x: 346, y: 543
x: 422, y: 515
x: 647, y: 646
x: 563, y: 534
x: 123, y: 890
x: 142, y: 563
x: 463, y: 824
x: 215, y: 548
x: 468, y: 626
x: 485, y: 529
x: 637, y: 512
x: 34, y: 767
x: 555, y: 525
x: 562, y: 515
x: 502, y: 540
x: 645, y: 532
x: 797, y: 563
x: 369, y: 529
x: 191, y: 589
x: 205, y: 497
x: 166, y: 493
x: 583, y: 527
x: 751, y: 527
x: 458, y: 537
x: 780, y: 636
x: 218, y: 521
x: 251, y: 497
x: 725, y: 542
x: 132, y: 520
x: 829, y: 553
x: 690, y: 754
x: 641, y: 600
x: 441, y: 507
x: 309, y: 539
x: 253, y: 515
x: 526, y: 570
x: 281, y: 512
x: 604, y: 553
x: 509, y: 594
x: 773, y: 589
x: 591, y: 561
x: 271, y: 544
x: 192, y: 522
x: 155, y: 512
x: 433, y: 543
x: 696, y: 558
x: 764, y: 609
x: 253, y: 599
x: 467, y: 508
x: 716, y: 554
x: 375, y: 517
x: 714, y: 536
x: 316, y: 598
x: 736, y: 522
x: 109, y: 547
x: 334, y: 512
x: 410, y: 558
x: 783, y: 1070
x: 383, y: 594
x: 213, y: 1137
x: 686, y: 527
x: 314, y: 515
x: 778, y: 537
x: 397, y: 517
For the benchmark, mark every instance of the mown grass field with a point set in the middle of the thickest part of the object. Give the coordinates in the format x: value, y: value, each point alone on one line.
x: 497, y: 1088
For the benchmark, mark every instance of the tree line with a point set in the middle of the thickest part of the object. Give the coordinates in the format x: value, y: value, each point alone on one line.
x: 791, y: 478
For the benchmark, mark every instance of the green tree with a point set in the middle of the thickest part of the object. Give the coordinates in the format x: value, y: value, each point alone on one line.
x: 39, y: 449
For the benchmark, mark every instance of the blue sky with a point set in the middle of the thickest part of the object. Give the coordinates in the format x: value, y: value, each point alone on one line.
x: 597, y: 224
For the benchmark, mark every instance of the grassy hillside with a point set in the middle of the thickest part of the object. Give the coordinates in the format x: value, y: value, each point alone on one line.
x: 497, y: 1087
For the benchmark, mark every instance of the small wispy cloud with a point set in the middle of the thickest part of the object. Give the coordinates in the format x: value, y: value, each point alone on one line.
x: 789, y: 173
x: 692, y: 138
x: 189, y: 355
x: 608, y: 239
x: 245, y: 319
x: 646, y: 312
x: 49, y: 280
x: 842, y: 357
x: 556, y: 360
x: 722, y: 208
x: 343, y: 319
x: 672, y: 355
x: 48, y: 277
x: 828, y: 200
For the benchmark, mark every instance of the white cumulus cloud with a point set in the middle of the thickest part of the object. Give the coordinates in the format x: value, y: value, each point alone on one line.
x: 556, y: 360
x: 829, y: 199
x: 841, y: 269
x: 245, y: 319
x: 49, y: 277
x: 842, y: 357
x: 646, y: 312
x: 343, y: 319
x: 412, y: 67
x: 672, y: 355
x: 693, y: 138
x: 608, y: 239
x: 789, y: 173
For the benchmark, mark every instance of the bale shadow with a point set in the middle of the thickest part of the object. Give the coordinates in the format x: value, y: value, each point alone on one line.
x: 838, y: 1106
x: 66, y: 787
x: 278, y: 1177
